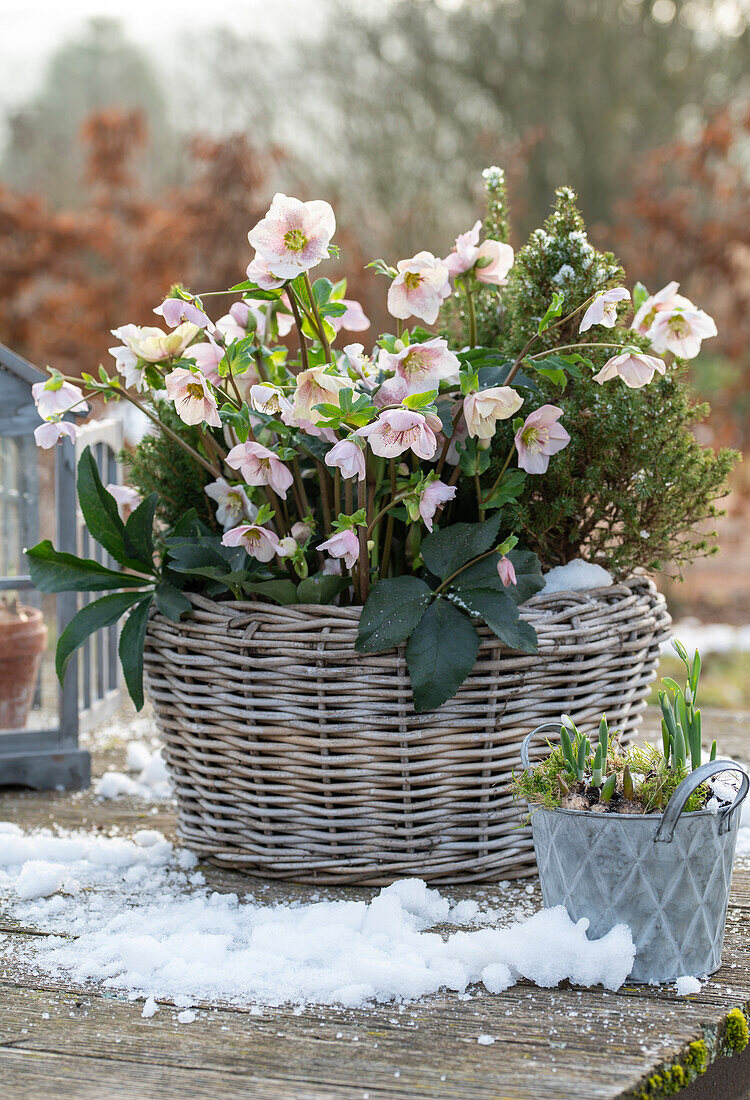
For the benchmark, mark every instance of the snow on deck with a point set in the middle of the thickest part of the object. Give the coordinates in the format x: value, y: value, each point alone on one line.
x: 127, y: 970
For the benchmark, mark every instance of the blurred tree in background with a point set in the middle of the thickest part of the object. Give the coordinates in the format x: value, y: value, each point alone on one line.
x: 390, y: 109
x: 99, y: 70
x: 69, y: 276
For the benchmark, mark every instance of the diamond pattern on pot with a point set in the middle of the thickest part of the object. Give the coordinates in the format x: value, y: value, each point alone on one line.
x: 672, y: 895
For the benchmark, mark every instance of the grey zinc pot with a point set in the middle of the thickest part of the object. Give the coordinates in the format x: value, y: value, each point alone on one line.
x: 666, y: 875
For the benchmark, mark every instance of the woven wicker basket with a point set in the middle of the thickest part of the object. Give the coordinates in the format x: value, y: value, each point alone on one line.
x: 295, y: 757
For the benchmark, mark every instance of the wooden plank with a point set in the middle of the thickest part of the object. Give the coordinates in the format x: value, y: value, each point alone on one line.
x: 549, y: 1044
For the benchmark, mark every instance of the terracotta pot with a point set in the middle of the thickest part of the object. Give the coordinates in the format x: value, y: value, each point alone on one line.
x: 22, y: 642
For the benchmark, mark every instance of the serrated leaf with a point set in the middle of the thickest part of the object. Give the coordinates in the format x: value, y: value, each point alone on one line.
x: 500, y: 614
x: 139, y: 528
x: 440, y: 654
x: 132, y: 641
x: 54, y: 571
x: 393, y: 609
x: 171, y: 602
x: 447, y: 549
x: 484, y: 574
x: 509, y: 489
x: 94, y: 616
x: 101, y: 515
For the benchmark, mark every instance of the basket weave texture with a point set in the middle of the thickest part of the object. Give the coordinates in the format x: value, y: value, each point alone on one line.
x: 295, y: 757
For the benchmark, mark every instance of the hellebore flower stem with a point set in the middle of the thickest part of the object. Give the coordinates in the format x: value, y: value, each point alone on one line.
x: 301, y: 487
x: 364, y: 557
x: 478, y: 490
x: 453, y: 576
x: 514, y: 369
x: 319, y: 323
x: 487, y: 496
x: 572, y: 347
x: 471, y: 314
x: 384, y: 511
x: 388, y: 540
x: 325, y: 500
x: 293, y: 302
x: 167, y: 431
x: 447, y: 443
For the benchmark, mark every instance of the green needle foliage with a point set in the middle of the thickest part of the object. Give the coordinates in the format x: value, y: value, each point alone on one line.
x: 634, y: 487
x: 159, y: 465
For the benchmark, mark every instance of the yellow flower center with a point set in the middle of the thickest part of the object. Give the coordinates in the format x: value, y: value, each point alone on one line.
x: 195, y: 390
x: 412, y: 279
x: 533, y: 438
x: 295, y: 240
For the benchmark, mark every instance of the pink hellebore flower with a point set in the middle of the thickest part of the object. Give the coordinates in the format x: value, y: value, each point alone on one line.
x: 193, y: 401
x: 397, y: 430
x: 603, y: 309
x: 392, y: 392
x: 433, y: 497
x: 285, y: 320
x: 483, y: 409
x: 464, y: 255
x: 294, y: 236
x: 344, y: 544
x: 233, y: 325
x: 126, y: 360
x: 666, y: 300
x: 468, y: 251
x: 153, y: 344
x: 500, y: 256
x: 422, y: 366
x: 634, y: 367
x: 259, y: 543
x: 419, y: 288
x: 268, y: 399
x: 207, y: 357
x: 176, y: 310
x: 259, y: 466
x: 301, y: 532
x: 354, y: 320
x: 316, y: 387
x: 127, y: 499
x: 506, y: 572
x: 539, y: 437
x: 681, y: 332
x: 348, y: 457
x: 361, y: 364
x: 232, y: 503
x: 51, y: 432
x: 52, y: 402
x: 258, y: 272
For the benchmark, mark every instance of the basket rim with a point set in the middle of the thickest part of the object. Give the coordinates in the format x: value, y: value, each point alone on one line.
x: 606, y: 594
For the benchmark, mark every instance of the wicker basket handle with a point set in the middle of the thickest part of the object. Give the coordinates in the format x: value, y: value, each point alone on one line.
x: 527, y: 741
x: 666, y: 827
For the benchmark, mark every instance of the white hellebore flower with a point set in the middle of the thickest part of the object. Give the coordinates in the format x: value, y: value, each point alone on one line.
x: 232, y: 503
x: 635, y: 368
x: 603, y: 309
x: 483, y: 409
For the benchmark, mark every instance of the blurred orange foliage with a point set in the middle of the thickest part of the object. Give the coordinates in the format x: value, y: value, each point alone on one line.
x: 70, y: 276
x: 688, y: 218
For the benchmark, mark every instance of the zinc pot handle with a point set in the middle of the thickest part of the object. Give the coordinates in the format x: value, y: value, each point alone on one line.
x: 666, y: 827
x: 528, y: 739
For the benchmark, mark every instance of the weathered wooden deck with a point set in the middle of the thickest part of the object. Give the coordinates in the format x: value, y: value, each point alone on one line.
x: 549, y: 1044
